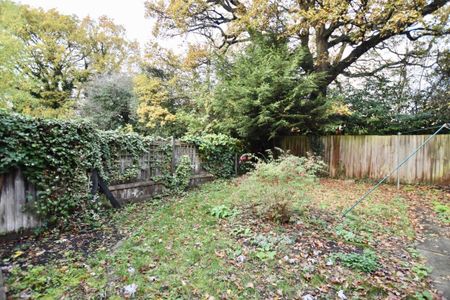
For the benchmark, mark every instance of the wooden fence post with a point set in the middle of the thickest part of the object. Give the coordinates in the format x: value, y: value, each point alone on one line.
x: 2, y: 287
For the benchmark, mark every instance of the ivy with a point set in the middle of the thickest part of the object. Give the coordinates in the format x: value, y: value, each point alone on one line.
x: 217, y: 152
x: 57, y: 156
x: 182, y: 176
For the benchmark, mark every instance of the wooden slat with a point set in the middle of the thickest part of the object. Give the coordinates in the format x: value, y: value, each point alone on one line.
x: 13, y: 203
x: 374, y: 156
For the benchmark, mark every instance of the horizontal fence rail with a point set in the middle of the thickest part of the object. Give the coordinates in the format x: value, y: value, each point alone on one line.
x: 373, y: 156
x: 17, y: 194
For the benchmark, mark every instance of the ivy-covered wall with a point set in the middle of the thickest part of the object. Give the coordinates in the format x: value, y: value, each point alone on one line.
x: 57, y: 157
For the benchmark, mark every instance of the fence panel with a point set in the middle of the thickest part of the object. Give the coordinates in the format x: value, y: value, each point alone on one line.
x: 16, y: 195
x: 373, y: 156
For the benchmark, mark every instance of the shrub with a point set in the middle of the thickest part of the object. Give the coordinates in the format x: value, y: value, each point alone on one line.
x: 275, y: 206
x: 275, y: 189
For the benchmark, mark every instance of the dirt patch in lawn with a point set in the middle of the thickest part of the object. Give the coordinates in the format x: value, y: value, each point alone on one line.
x: 53, y: 246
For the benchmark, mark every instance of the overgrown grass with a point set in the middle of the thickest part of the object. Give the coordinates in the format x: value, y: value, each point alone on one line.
x: 230, y: 239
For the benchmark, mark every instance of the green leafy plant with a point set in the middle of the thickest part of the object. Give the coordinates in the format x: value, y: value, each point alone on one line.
x: 182, y: 175
x: 217, y: 152
x: 349, y: 236
x: 366, y: 261
x: 222, y: 212
x: 421, y: 271
x: 264, y: 254
x: 425, y: 295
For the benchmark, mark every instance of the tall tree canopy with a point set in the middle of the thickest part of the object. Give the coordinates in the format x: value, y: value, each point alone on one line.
x: 265, y: 93
x: 334, y: 33
x: 59, y: 53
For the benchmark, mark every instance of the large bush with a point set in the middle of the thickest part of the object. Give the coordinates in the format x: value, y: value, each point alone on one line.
x: 276, y: 188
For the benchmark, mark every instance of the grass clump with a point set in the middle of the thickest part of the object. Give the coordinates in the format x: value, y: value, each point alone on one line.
x: 443, y: 211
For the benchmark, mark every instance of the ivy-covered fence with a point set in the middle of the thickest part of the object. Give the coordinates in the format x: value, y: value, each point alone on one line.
x: 154, y: 172
x: 45, y: 165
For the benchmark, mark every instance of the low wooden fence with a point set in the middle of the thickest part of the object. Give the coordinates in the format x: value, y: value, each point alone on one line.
x: 373, y: 156
x: 17, y: 194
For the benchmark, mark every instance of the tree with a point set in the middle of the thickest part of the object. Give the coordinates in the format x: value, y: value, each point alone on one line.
x: 110, y: 101
x: 12, y: 83
x: 60, y: 53
x: 333, y: 33
x: 265, y: 93
x: 410, y: 95
x: 174, y: 90
x: 153, y: 103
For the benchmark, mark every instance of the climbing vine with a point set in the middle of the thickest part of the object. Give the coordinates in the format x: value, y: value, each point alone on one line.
x: 217, y: 152
x: 57, y: 157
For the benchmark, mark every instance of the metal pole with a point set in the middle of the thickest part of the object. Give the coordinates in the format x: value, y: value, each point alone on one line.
x: 398, y: 159
x: 393, y: 171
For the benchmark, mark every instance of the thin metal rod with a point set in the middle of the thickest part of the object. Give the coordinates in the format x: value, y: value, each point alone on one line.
x: 398, y: 159
x: 393, y: 171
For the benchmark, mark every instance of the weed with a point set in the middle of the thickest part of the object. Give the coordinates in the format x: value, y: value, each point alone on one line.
x: 413, y: 252
x: 242, y: 231
x: 425, y: 295
x: 421, y: 271
x: 349, y: 236
x: 222, y: 212
x: 264, y: 254
x: 366, y: 262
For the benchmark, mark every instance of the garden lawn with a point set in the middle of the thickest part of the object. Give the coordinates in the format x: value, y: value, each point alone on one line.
x: 217, y: 242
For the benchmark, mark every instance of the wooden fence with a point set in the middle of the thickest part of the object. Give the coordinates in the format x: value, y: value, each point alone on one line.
x: 143, y: 186
x: 16, y: 193
x: 373, y: 156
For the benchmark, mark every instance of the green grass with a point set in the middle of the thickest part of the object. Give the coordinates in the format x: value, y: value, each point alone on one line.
x: 171, y: 252
x: 187, y: 247
x: 443, y: 211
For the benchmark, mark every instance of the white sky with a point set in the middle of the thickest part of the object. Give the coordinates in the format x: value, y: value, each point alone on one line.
x: 129, y: 13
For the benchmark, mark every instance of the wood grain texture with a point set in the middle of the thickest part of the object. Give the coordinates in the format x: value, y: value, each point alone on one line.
x: 373, y: 156
x: 15, y: 197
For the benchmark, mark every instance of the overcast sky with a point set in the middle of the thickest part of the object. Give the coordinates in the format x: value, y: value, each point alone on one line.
x: 129, y: 13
